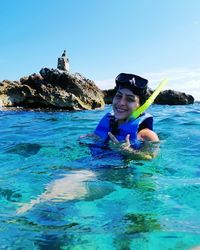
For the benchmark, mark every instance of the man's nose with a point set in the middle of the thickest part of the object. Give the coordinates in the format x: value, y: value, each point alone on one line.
x: 122, y: 100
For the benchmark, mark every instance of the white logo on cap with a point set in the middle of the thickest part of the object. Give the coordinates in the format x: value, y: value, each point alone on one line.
x: 133, y: 81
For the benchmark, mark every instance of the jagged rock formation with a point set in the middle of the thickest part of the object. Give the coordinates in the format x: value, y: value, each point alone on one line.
x: 166, y: 97
x: 59, y: 89
x: 52, y: 88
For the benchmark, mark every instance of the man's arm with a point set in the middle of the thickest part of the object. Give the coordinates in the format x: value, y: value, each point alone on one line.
x: 147, y: 135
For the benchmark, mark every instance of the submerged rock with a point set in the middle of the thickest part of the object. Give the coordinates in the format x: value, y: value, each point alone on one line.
x: 166, y: 97
x: 25, y: 149
x: 52, y: 88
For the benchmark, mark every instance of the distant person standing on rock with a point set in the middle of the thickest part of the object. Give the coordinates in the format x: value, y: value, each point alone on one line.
x: 64, y: 53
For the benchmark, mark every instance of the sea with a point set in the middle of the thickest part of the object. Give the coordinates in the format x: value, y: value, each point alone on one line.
x: 55, y: 194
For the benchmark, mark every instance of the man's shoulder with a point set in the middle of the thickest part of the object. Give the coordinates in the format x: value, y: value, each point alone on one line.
x: 148, y: 135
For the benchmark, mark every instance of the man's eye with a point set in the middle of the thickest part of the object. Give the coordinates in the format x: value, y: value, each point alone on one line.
x: 129, y: 99
x: 118, y: 96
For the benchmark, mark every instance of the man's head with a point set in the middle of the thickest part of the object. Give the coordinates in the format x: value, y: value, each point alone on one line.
x: 136, y: 84
x: 131, y: 93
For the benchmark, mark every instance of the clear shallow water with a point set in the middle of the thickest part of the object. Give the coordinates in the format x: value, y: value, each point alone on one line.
x: 104, y: 203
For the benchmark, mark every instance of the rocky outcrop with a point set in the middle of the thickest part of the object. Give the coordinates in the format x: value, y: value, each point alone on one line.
x: 166, y: 97
x: 108, y: 95
x: 172, y: 97
x: 59, y: 89
x: 52, y: 88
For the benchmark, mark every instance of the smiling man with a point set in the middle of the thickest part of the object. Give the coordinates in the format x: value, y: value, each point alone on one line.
x: 119, y: 126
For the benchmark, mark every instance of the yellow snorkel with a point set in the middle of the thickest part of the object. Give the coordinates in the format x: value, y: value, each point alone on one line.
x: 150, y: 100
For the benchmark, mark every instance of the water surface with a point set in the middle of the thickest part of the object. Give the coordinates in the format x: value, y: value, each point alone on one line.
x: 104, y: 203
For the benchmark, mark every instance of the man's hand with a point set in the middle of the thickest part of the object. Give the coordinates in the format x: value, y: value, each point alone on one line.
x: 125, y: 146
x: 126, y: 149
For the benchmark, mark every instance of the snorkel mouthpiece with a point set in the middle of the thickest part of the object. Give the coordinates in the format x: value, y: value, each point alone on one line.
x: 150, y: 100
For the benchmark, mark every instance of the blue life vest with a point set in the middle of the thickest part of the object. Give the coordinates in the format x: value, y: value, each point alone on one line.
x: 130, y: 127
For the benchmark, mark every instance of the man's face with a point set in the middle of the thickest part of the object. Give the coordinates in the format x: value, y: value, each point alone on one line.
x: 124, y: 103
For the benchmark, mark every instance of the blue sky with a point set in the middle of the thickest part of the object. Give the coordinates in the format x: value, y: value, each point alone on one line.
x: 152, y: 38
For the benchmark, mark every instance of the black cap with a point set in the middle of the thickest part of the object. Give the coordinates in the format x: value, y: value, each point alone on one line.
x: 135, y: 83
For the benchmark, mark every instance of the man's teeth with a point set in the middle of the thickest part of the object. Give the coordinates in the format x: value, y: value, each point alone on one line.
x: 121, y: 110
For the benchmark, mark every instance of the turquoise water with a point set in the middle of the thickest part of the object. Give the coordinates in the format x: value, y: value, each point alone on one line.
x: 105, y: 202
